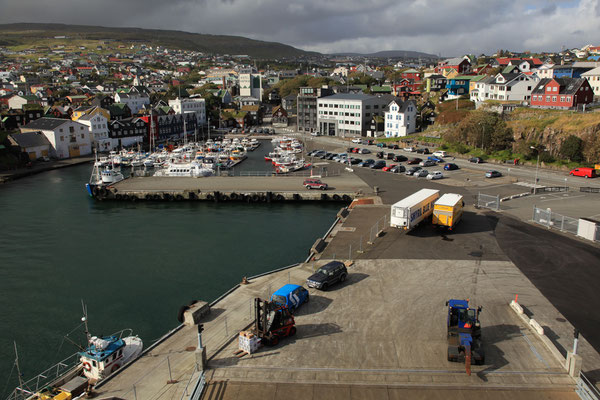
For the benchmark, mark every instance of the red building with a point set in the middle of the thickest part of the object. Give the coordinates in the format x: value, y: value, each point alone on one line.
x: 561, y: 93
x: 462, y: 65
x: 412, y: 74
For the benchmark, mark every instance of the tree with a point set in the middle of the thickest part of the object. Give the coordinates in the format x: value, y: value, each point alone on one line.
x: 483, y: 129
x: 572, y: 148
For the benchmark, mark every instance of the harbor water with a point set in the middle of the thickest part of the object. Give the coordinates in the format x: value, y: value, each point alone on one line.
x: 133, y: 264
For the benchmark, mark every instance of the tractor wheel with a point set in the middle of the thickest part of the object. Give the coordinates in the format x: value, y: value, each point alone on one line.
x: 293, y: 331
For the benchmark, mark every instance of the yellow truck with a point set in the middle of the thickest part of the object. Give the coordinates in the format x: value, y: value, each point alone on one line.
x: 448, y: 210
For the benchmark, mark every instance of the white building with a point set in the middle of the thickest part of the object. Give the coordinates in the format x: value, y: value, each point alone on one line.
x: 505, y: 87
x: 400, y: 118
x: 98, y: 128
x: 348, y: 114
x: 135, y: 101
x: 17, y: 102
x: 67, y: 138
x: 545, y: 71
x: 195, y: 105
x: 593, y: 78
x: 250, y: 85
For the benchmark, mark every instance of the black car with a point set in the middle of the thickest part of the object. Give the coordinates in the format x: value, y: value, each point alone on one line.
x: 396, y: 147
x: 400, y: 158
x: 476, y: 160
x: 354, y: 161
x: 379, y: 154
x: 390, y: 156
x: 367, y: 163
x: 327, y: 275
x: 450, y: 167
x: 390, y: 145
x: 423, y: 151
x: 377, y: 165
x: 331, y: 156
x: 415, y: 160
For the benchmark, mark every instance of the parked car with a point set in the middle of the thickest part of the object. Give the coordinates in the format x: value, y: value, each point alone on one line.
x: 318, y: 153
x: 400, y: 158
x: 415, y: 160
x: 329, y: 274
x: 412, y: 170
x: 356, y: 149
x: 492, y: 174
x: 390, y: 156
x: 367, y: 162
x: 377, y: 165
x: 314, y: 183
x: 398, y: 169
x: 427, y: 163
x: 410, y: 149
x: 380, y: 144
x: 354, y: 160
x: 291, y: 296
x: 440, y: 153
x: 435, y: 175
x: 586, y: 172
x: 396, y: 147
x: 450, y: 167
x: 421, y: 173
x: 349, y: 149
x: 436, y: 159
x: 379, y: 154
x: 357, y: 140
x: 388, y: 167
x: 259, y: 130
x: 365, y: 151
x: 330, y: 156
x: 476, y: 160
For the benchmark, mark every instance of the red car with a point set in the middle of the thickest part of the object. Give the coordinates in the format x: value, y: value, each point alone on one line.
x: 581, y: 171
x: 314, y: 183
x: 388, y: 167
x: 356, y: 149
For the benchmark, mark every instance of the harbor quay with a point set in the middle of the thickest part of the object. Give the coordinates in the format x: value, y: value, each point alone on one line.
x: 343, y: 187
x: 380, y: 334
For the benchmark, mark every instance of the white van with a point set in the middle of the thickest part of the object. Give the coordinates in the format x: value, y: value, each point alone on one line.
x: 440, y: 153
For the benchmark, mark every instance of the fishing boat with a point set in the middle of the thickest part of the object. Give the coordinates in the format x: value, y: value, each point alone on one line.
x: 100, y: 358
x: 102, y: 175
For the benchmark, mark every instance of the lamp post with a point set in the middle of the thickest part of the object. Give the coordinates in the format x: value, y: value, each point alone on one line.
x: 537, y: 166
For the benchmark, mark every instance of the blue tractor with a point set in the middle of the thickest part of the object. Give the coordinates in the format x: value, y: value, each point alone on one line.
x: 464, y: 334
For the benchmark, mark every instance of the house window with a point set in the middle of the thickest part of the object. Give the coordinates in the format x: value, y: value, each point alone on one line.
x: 554, y: 99
x: 62, y: 138
x: 548, y: 98
x: 568, y: 98
x: 562, y: 98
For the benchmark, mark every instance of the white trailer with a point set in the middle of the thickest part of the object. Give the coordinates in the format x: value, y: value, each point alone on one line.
x: 408, y: 212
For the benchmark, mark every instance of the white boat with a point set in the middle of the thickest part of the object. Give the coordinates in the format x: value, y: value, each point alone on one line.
x: 192, y: 169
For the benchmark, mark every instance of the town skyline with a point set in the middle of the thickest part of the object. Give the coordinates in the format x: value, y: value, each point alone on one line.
x: 451, y: 28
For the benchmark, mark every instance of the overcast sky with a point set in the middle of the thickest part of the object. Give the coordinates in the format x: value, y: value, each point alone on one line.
x: 446, y: 27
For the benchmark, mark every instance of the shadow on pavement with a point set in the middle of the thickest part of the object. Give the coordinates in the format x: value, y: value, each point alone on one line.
x: 353, y: 277
x: 315, y: 305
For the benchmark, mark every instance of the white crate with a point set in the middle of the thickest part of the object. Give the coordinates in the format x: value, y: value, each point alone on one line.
x: 249, y: 345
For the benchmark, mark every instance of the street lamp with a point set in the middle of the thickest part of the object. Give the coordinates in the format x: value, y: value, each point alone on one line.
x: 537, y: 166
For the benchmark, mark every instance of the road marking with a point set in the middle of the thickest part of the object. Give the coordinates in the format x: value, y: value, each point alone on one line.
x: 534, y: 351
x: 562, y: 198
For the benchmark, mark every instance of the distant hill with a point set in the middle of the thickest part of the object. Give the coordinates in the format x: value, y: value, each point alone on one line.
x: 391, y: 54
x: 27, y: 33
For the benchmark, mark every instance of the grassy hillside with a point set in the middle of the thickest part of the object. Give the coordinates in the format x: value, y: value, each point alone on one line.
x: 29, y: 34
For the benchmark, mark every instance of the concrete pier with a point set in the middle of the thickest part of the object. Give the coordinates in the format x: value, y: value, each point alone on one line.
x: 342, y: 188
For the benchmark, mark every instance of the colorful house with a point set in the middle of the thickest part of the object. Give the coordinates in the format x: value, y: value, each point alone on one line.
x: 458, y: 86
x: 562, y: 93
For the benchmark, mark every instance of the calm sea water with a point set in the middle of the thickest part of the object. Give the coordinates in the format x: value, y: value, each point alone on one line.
x: 133, y: 265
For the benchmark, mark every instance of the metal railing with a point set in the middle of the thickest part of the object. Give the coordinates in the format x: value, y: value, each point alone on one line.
x: 550, y: 219
x: 487, y: 201
x: 586, y: 389
x: 589, y: 189
x: 45, y: 378
x: 546, y: 189
x: 356, y: 248
x: 304, y: 173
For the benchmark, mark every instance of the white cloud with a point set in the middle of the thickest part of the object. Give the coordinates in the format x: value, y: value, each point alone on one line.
x: 451, y: 27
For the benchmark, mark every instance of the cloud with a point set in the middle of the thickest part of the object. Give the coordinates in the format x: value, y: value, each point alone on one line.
x: 451, y: 27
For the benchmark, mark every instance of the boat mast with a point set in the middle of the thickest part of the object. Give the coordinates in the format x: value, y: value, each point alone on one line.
x: 151, y: 130
x: 85, y: 319
x: 18, y: 367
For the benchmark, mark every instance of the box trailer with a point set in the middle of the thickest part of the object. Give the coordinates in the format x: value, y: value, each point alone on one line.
x: 407, y: 213
x: 448, y: 210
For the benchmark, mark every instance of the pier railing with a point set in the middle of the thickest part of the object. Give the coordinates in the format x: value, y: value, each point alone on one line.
x: 358, y: 247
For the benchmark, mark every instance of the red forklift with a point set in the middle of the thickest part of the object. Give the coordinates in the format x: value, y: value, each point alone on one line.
x: 272, y: 322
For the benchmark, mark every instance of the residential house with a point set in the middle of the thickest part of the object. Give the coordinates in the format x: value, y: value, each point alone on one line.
x: 349, y: 114
x: 77, y: 100
x: 17, y: 102
x: 135, y: 99
x: 13, y: 119
x: 459, y: 65
x: 102, y: 101
x: 279, y: 117
x: 126, y: 132
x: 458, y: 86
x: 119, y: 111
x: 67, y: 138
x: 195, y: 106
x: 86, y: 110
x: 306, y: 107
x: 435, y: 83
x: 97, y: 123
x: 505, y: 87
x: 289, y: 102
x: 400, y: 118
x: 59, y: 112
x: 376, y: 126
x: 569, y: 71
x: 254, y: 114
x: 562, y: 93
x: 593, y: 78
x: 35, y: 144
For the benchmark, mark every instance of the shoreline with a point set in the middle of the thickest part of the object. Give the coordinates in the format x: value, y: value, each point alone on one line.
x: 9, y: 176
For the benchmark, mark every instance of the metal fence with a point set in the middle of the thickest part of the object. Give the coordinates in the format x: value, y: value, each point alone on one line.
x: 546, y: 189
x: 555, y: 220
x: 589, y: 189
x: 356, y: 248
x: 487, y: 201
